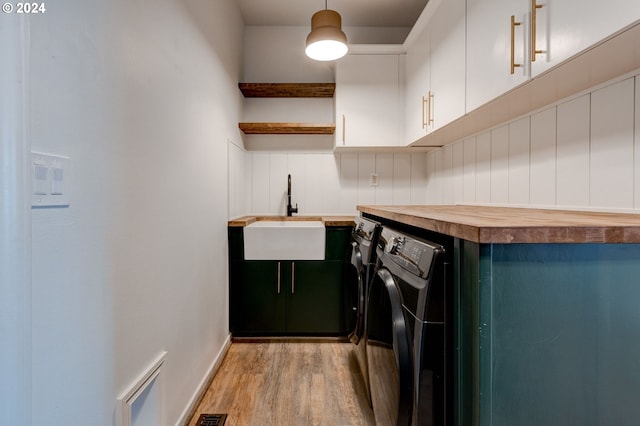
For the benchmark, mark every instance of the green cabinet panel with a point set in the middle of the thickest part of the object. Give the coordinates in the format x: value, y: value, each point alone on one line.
x: 337, y: 242
x: 554, y: 337
x: 236, y: 242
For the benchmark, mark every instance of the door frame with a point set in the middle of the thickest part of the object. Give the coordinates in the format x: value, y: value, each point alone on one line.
x: 15, y: 222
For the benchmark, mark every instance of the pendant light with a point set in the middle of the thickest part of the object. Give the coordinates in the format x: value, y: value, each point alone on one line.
x: 326, y: 41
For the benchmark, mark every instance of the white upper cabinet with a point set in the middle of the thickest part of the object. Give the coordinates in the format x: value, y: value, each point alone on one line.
x: 563, y: 28
x: 497, y: 53
x: 503, y: 35
x: 447, y: 58
x: 368, y: 100
x: 435, y: 69
x: 417, y: 87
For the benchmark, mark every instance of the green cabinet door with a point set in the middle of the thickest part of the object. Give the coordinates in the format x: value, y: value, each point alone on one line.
x: 257, y: 297
x: 287, y: 298
x: 317, y: 298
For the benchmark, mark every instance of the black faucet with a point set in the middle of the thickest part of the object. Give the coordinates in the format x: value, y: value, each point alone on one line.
x: 290, y: 209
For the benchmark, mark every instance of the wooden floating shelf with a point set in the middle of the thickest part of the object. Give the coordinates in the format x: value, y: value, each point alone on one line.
x: 287, y: 128
x: 287, y: 90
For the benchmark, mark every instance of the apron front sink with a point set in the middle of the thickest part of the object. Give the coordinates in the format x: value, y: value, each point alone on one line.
x: 284, y: 240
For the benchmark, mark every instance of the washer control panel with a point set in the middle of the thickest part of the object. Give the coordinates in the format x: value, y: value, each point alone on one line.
x: 412, y: 254
x: 365, y: 228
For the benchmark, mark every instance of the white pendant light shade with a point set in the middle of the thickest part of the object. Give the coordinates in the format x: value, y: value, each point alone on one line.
x: 326, y: 41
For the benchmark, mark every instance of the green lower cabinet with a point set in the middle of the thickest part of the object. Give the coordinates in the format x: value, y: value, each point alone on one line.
x: 548, y: 334
x: 272, y: 298
x: 257, y: 304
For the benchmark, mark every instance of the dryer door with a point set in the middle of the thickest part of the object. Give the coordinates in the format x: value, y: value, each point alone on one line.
x: 388, y: 352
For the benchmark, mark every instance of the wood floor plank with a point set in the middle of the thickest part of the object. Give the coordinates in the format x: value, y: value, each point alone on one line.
x: 288, y: 383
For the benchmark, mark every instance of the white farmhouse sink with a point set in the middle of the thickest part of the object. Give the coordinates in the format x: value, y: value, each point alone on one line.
x: 284, y: 240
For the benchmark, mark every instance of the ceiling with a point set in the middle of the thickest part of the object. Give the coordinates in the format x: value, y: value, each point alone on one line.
x: 355, y: 13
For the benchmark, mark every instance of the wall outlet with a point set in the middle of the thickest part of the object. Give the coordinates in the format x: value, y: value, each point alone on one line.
x: 373, y: 179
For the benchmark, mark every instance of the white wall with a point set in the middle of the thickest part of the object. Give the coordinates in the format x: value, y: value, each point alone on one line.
x: 276, y: 54
x: 579, y: 154
x: 142, y: 97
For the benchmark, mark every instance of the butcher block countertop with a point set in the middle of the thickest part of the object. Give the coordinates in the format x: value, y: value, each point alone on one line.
x: 504, y: 225
x: 326, y: 220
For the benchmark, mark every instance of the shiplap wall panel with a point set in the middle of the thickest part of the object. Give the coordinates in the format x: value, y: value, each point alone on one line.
x: 458, y: 171
x: 519, y: 145
x: 235, y: 194
x: 297, y: 166
x: 366, y: 166
x: 323, y: 173
x: 418, y: 167
x: 432, y: 179
x: 543, y: 158
x: 573, y: 144
x: 384, y: 169
x: 440, y: 176
x: 348, y: 182
x: 447, y: 175
x: 500, y: 165
x: 483, y: 168
x: 260, y: 183
x: 247, y: 185
x: 402, y: 179
x: 332, y: 162
x: 469, y: 170
x: 278, y: 168
x: 612, y: 145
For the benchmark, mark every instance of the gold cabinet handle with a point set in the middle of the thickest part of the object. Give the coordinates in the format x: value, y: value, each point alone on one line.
x: 534, y: 7
x: 422, y: 117
x: 278, y: 277
x: 343, y: 131
x: 293, y: 277
x: 430, y: 108
x: 514, y: 24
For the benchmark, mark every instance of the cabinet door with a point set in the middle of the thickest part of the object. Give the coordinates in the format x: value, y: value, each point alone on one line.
x: 367, y: 100
x: 258, y: 297
x: 447, y: 58
x: 417, y: 80
x: 317, y: 300
x: 489, y: 49
x: 564, y: 28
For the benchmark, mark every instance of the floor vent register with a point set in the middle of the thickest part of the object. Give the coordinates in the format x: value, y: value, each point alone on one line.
x: 211, y: 420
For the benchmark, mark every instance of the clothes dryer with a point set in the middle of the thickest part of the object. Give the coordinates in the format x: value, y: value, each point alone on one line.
x: 406, y: 332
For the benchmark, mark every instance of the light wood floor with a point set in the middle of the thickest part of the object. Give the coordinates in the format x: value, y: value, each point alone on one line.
x: 288, y: 384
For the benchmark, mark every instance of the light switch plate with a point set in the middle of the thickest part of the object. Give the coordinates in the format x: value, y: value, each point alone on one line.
x: 49, y: 175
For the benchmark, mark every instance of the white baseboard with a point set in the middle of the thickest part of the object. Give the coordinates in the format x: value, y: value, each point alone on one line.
x: 204, y: 384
